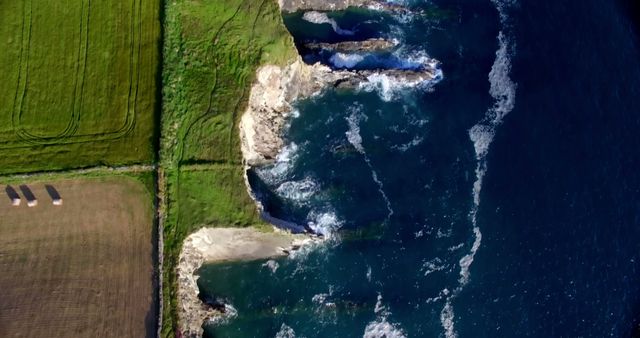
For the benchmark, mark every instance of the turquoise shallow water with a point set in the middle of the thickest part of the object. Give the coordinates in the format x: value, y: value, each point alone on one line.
x: 501, y: 201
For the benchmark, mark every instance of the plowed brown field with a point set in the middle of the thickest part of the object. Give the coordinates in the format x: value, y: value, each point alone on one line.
x: 83, y: 269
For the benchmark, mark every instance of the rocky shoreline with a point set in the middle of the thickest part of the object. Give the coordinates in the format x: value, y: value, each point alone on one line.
x: 273, y: 94
x: 277, y: 88
x: 209, y: 245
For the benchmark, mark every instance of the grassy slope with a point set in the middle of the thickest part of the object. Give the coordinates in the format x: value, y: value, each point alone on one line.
x: 212, y: 50
x: 80, y: 83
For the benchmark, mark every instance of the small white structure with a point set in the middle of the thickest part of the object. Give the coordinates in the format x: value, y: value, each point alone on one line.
x: 16, y: 201
x: 57, y: 201
x: 32, y: 203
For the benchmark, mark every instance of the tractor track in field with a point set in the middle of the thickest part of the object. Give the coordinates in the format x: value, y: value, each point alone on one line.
x: 68, y: 135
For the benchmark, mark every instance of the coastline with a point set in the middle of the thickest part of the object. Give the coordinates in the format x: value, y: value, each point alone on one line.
x: 217, y: 245
x: 272, y: 95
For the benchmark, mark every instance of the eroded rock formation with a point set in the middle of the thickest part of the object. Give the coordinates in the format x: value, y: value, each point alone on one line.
x: 217, y: 245
x: 336, y: 5
x: 365, y: 46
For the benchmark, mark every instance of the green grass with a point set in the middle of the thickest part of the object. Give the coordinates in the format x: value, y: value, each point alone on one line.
x: 212, y: 50
x: 79, y: 83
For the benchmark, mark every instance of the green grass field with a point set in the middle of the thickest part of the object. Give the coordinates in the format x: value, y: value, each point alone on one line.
x: 212, y: 50
x: 79, y: 83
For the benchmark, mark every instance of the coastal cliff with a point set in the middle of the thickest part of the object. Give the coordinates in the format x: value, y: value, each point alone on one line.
x: 274, y: 92
x: 209, y: 245
x: 277, y: 88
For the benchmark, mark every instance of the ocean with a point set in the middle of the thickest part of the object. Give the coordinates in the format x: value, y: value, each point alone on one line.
x: 502, y: 199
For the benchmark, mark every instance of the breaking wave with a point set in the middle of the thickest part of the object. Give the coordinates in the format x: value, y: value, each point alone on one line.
x: 341, y: 60
x: 322, y: 18
x: 325, y: 223
x: 276, y: 173
x: 391, y: 87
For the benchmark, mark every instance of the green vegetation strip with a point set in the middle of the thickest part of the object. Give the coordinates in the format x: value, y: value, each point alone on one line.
x: 212, y: 50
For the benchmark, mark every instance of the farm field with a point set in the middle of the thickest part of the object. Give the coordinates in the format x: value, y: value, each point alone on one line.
x: 83, y: 269
x: 212, y: 50
x: 79, y: 83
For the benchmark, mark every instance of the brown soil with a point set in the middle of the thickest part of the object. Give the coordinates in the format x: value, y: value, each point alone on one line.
x: 83, y: 269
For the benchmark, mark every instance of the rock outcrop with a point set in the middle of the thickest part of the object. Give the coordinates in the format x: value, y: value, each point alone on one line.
x: 217, y: 245
x: 365, y: 46
x: 336, y: 5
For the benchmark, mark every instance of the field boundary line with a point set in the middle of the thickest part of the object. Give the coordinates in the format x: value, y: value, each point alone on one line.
x: 136, y: 168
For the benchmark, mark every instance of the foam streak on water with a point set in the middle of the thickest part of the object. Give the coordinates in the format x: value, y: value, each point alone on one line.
x: 353, y: 135
x: 503, y: 90
x: 320, y: 18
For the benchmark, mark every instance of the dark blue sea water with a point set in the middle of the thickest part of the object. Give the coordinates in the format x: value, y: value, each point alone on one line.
x: 501, y: 201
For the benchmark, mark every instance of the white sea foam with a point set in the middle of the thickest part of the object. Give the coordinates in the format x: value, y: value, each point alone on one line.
x: 433, y: 265
x: 230, y: 313
x: 503, y: 91
x: 381, y: 328
x: 342, y: 60
x: 320, y: 298
x: 415, y: 59
x: 455, y: 247
x: 447, y: 320
x: 481, y: 135
x: 406, y: 146
x: 298, y: 191
x: 325, y: 223
x: 387, y: 87
x: 391, y: 87
x: 502, y: 88
x: 503, y: 6
x: 285, y: 332
x: 379, y: 308
x: 278, y: 171
x: 353, y: 135
x: 466, y: 260
x: 271, y: 265
x: 322, y: 18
